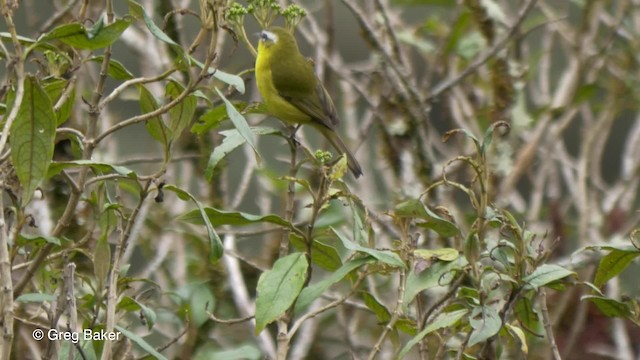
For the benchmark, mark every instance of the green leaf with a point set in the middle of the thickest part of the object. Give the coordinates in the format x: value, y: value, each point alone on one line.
x: 440, y: 273
x: 55, y: 88
x: 138, y: 340
x: 32, y: 137
x: 443, y: 320
x: 527, y: 315
x: 546, y: 274
x: 613, y: 264
x: 323, y: 255
x: 56, y: 167
x: 136, y: 10
x: 236, y: 218
x: 102, y: 257
x: 230, y: 79
x: 485, y: 322
x: 130, y: 304
x: 117, y: 70
x: 232, y: 140
x: 384, y: 256
x: 312, y: 292
x: 36, y: 297
x: 200, y: 300
x: 32, y: 43
x: 180, y: 116
x: 215, y: 116
x: 442, y: 254
x: 77, y: 36
x: 215, y: 243
x: 233, y: 80
x: 609, y: 307
x: 155, y: 125
x: 416, y: 209
x: 382, y: 314
x: 279, y: 287
x: 30, y: 238
x: 239, y: 122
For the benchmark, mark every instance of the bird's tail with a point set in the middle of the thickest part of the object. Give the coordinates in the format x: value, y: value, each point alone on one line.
x: 339, y: 145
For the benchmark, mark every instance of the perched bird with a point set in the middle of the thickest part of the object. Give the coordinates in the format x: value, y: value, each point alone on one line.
x: 293, y: 93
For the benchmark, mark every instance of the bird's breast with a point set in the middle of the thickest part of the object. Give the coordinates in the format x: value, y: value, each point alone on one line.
x: 276, y: 104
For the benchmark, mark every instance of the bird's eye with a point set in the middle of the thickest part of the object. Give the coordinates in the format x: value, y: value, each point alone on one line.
x: 268, y: 36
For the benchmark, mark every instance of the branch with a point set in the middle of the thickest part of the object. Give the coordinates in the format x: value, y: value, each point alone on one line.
x: 488, y: 54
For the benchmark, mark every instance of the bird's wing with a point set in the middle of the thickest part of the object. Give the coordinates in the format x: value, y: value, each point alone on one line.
x: 317, y: 105
x: 305, y: 92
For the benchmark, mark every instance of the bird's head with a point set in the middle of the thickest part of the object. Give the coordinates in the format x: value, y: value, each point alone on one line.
x: 277, y: 40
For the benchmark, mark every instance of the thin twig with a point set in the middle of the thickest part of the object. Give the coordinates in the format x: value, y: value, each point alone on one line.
x: 488, y: 54
x: 547, y: 325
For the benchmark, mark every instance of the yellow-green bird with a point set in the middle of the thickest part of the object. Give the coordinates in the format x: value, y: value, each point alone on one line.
x: 293, y: 93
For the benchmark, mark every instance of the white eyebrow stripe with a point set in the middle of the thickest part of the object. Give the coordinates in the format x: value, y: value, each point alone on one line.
x: 269, y: 36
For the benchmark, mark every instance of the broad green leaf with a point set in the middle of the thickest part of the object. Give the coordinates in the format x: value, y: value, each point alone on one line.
x: 30, y: 238
x: 55, y: 88
x: 609, y: 307
x: 215, y: 116
x: 230, y: 79
x: 313, y: 291
x: 527, y: 315
x: 279, y: 287
x: 117, y: 70
x: 546, y: 274
x: 236, y: 218
x: 240, y: 123
x: 102, y: 258
x: 233, y: 80
x: 180, y: 116
x: 155, y: 125
x: 384, y: 256
x: 613, y: 264
x: 31, y: 43
x: 215, y: 243
x: 442, y: 254
x: 137, y: 11
x: 200, y: 300
x: 443, y: 320
x: 56, y: 167
x: 485, y: 322
x: 32, y: 137
x: 382, y: 314
x: 36, y: 297
x: 138, y: 340
x: 323, y: 255
x: 416, y: 209
x: 79, y: 37
x: 130, y: 304
x: 232, y: 140
x: 440, y: 273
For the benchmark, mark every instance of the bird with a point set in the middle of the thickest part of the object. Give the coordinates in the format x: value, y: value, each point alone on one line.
x: 292, y: 91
